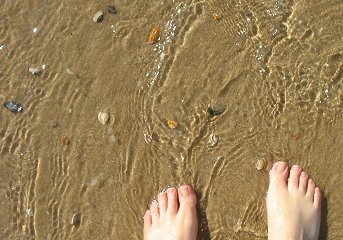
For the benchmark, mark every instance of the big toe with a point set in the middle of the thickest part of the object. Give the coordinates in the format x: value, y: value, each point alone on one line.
x: 187, y: 199
x: 278, y: 175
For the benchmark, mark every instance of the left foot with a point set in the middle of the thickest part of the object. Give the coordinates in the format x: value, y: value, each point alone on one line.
x: 173, y: 216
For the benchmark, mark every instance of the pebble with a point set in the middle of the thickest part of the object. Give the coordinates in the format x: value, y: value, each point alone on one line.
x: 154, y: 35
x: 112, y: 9
x: 213, y: 140
x: 37, y: 71
x: 261, y: 164
x: 216, y: 109
x: 76, y: 219
x: 13, y: 106
x: 29, y: 212
x: 103, y: 117
x: 216, y: 16
x: 98, y: 17
x: 65, y: 141
x: 296, y: 136
x: 172, y: 124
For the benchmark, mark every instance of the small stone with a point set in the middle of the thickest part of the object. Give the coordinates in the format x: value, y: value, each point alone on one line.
x: 296, y: 136
x: 103, y: 117
x: 76, y: 219
x: 98, y: 17
x: 29, y: 212
x: 172, y: 124
x: 261, y: 164
x: 112, y: 9
x: 216, y: 16
x: 65, y: 141
x: 37, y: 71
x: 154, y: 35
x: 216, y: 109
x: 13, y: 106
x: 213, y: 140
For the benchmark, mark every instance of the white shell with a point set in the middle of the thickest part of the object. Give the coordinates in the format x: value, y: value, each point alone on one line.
x: 261, y: 164
x: 98, y: 16
x: 213, y: 140
x: 103, y: 117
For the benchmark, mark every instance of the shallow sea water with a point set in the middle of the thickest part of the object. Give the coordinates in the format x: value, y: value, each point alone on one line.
x: 275, y: 65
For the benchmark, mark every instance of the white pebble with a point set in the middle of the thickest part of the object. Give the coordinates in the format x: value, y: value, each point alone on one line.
x: 37, y: 70
x: 103, y: 117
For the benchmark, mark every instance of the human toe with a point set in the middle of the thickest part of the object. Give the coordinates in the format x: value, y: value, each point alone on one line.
x: 278, y: 175
x: 162, y: 203
x: 293, y: 182
x: 303, y: 182
x: 155, y: 216
x: 310, y: 190
x: 317, y: 198
x: 187, y: 198
x: 147, y: 223
x: 172, y: 202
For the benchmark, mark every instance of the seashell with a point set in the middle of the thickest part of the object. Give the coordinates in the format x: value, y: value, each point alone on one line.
x: 154, y: 35
x: 103, y: 117
x: 261, y: 164
x: 147, y: 138
x: 76, y: 219
x: 172, y: 124
x: 98, y: 17
x: 213, y: 140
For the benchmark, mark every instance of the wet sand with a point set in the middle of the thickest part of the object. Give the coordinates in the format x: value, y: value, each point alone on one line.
x: 275, y: 66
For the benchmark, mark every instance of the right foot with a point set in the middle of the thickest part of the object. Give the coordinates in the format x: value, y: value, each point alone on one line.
x: 293, y: 205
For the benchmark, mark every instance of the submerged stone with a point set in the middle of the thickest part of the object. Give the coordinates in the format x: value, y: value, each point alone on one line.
x: 112, y: 9
x: 216, y: 109
x: 13, y: 106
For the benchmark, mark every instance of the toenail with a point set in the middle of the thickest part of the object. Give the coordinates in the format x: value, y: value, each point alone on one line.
x: 280, y: 167
x: 170, y: 190
x: 303, y: 174
x: 295, y: 167
x: 184, y: 191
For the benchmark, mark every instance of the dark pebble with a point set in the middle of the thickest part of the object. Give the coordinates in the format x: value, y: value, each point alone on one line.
x: 216, y: 109
x: 112, y: 9
x: 13, y: 106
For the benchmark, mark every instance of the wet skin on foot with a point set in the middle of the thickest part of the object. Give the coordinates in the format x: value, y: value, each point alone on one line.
x: 293, y: 204
x: 173, y: 216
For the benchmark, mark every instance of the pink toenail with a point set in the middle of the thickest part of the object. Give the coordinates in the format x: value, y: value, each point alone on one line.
x: 184, y: 191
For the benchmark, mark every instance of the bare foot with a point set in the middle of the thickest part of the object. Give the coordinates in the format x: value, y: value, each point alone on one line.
x: 173, y: 217
x: 293, y: 207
